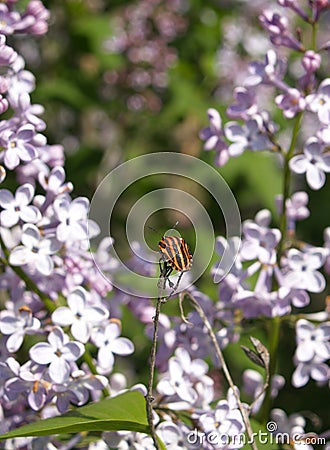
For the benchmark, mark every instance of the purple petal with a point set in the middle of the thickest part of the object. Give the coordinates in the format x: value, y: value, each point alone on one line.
x: 105, y: 358
x: 72, y: 351
x: 8, y: 218
x: 81, y: 330
x: 20, y: 256
x: 6, y: 198
x: 320, y: 372
x: 24, y: 194
x: 44, y: 264
x: 300, y: 376
x: 63, y: 316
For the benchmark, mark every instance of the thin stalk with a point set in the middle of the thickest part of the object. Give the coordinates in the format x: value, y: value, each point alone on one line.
x: 286, y: 184
x: 274, y: 337
x: 224, y: 368
x: 149, y: 396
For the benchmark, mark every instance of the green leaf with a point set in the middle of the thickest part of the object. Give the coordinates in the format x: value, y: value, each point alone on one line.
x: 124, y: 412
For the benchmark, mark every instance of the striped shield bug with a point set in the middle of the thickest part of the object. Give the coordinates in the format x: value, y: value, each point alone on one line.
x: 175, y: 255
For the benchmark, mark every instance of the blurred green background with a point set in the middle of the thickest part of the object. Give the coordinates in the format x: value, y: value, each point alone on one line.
x: 120, y: 79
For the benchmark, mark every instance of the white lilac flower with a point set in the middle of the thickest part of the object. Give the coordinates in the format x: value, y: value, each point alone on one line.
x: 314, y: 162
x: 36, y: 250
x: 107, y: 339
x: 17, y: 324
x: 316, y: 369
x: 58, y: 353
x: 312, y: 341
x: 17, y: 207
x: 73, y: 217
x: 302, y: 270
x: 80, y: 315
x: 320, y: 102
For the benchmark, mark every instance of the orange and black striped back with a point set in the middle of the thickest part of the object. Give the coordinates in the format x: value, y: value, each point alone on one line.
x: 175, y: 252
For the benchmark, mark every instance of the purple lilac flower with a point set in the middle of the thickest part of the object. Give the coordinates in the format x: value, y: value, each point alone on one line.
x: 277, y: 27
x: 19, y: 81
x: 36, y: 17
x: 80, y: 315
x: 59, y: 352
x: 186, y: 382
x: 32, y: 382
x: 320, y: 102
x: 77, y: 390
x: 214, y: 137
x: 249, y: 136
x: 302, y: 268
x: 291, y: 426
x: 17, y: 207
x: 259, y: 243
x: 225, y: 424
x: 27, y: 112
x: 253, y: 383
x: 291, y: 102
x: 36, y: 250
x: 314, y: 162
x: 270, y: 72
x: 107, y: 339
x: 315, y: 369
x: 16, y: 325
x: 294, y: 5
x: 17, y: 146
x: 7, y: 54
x: 295, y: 208
x: 245, y: 105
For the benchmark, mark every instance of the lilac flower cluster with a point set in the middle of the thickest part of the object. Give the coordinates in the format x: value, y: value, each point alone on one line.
x: 56, y: 295
x: 142, y: 33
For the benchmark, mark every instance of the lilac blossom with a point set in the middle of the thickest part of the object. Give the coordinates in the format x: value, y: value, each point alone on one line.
x: 72, y: 216
x: 185, y: 381
x: 301, y: 269
x: 31, y: 381
x: 253, y: 384
x: 259, y: 243
x: 17, y: 207
x: 59, y: 352
x: 16, y: 325
x: 277, y: 27
x: 36, y: 250
x: 107, y: 339
x: 289, y: 427
x: 225, y: 424
x: 316, y: 369
x: 80, y: 315
x: 314, y: 162
x: 249, y: 136
x: 214, y: 137
x: 270, y: 72
x: 295, y: 208
x: 245, y: 105
x: 320, y: 102
x: 17, y: 146
x: 312, y: 341
x: 291, y: 102
x: 7, y: 54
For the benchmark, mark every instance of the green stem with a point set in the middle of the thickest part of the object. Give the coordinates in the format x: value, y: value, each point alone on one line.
x: 274, y: 334
x: 286, y: 185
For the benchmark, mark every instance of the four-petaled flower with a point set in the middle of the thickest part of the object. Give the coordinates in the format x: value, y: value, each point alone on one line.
x: 107, y: 339
x: 249, y: 136
x: 36, y: 250
x: 314, y: 162
x: 302, y: 269
x: 17, y: 207
x: 320, y: 102
x: 59, y: 352
x: 80, y: 315
x: 213, y: 137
